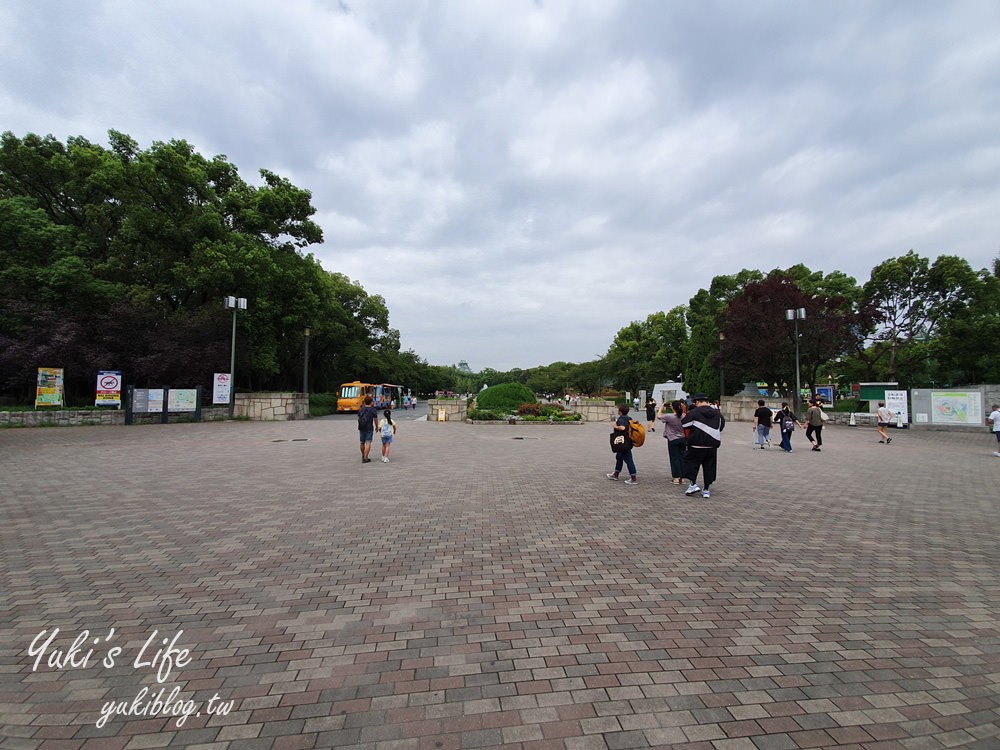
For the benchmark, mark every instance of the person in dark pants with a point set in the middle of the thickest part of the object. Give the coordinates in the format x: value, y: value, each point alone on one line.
x: 673, y: 431
x: 651, y: 414
x: 624, y: 456
x: 814, y: 424
x: 704, y: 425
x: 786, y: 420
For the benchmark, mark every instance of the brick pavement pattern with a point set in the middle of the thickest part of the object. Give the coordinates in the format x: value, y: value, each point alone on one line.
x: 490, y: 587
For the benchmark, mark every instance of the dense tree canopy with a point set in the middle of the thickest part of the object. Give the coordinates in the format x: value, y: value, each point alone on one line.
x: 121, y: 257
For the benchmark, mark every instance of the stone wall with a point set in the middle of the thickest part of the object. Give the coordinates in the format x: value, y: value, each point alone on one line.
x: 271, y: 407
x: 454, y: 409
x: 76, y: 417
x: 598, y: 411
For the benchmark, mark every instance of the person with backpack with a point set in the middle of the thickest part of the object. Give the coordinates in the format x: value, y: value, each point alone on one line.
x: 621, y: 444
x: 367, y: 423
x: 387, y: 430
x: 703, y: 425
x: 786, y: 420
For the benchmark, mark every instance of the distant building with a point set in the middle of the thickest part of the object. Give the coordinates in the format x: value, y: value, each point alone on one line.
x: 463, y: 366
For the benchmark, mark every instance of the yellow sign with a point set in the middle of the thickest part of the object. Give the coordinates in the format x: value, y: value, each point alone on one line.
x: 49, y: 388
x: 442, y: 415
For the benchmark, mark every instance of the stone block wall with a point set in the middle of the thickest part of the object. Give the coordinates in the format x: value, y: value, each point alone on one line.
x: 454, y: 409
x: 78, y: 417
x: 599, y: 411
x: 271, y: 407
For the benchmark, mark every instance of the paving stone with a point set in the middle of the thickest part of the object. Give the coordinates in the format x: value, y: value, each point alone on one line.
x: 508, y: 596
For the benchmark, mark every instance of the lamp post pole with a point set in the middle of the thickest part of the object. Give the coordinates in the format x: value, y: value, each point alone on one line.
x: 234, y: 304
x: 797, y: 315
x: 305, y: 364
x: 722, y: 368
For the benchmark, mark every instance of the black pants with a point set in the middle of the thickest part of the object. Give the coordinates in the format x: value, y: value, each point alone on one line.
x: 700, y: 458
x: 810, y: 430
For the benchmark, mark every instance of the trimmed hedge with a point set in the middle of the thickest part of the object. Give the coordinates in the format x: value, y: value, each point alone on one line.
x: 506, y: 397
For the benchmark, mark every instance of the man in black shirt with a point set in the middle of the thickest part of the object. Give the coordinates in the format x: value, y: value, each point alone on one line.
x: 762, y: 424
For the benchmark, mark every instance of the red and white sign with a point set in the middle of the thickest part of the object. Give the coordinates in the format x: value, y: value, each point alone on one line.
x: 109, y: 388
x: 221, y: 388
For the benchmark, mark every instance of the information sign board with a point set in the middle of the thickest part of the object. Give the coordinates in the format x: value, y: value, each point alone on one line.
x: 221, y: 388
x: 109, y: 388
x: 49, y: 390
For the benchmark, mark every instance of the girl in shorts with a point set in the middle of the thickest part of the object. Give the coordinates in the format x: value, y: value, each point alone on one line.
x: 386, y: 430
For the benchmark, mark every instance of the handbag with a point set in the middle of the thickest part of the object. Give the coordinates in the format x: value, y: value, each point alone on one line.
x: 618, y: 442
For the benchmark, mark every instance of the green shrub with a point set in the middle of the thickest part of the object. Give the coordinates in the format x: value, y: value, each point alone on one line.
x: 487, y: 415
x: 321, y: 404
x: 506, y: 397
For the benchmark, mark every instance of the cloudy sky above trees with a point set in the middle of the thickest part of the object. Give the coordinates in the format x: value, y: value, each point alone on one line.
x: 519, y: 180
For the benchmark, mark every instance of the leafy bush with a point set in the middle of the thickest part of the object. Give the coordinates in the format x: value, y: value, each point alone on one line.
x: 321, y: 404
x: 530, y: 410
x: 487, y: 415
x: 506, y: 397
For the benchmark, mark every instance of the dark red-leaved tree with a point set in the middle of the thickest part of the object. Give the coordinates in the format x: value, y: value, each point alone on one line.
x: 759, y: 341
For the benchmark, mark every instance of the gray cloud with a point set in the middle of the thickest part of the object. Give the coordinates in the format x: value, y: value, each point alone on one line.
x: 502, y: 173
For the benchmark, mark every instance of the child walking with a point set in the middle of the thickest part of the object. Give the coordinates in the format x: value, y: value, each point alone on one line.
x: 387, y: 429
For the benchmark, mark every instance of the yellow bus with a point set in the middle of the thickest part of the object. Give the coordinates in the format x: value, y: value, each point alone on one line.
x: 351, y: 396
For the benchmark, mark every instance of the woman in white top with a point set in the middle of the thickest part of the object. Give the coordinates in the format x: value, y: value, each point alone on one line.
x: 884, y: 417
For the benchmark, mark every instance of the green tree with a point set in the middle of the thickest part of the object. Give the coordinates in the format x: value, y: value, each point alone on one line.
x: 120, y: 257
x: 967, y: 347
x: 642, y: 352
x: 913, y: 298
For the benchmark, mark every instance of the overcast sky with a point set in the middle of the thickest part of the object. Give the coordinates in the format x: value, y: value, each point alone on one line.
x: 519, y: 180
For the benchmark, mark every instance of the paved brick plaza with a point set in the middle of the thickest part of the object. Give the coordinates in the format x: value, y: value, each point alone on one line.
x: 482, y: 591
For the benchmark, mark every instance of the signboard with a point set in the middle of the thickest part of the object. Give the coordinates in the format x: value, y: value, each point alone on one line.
x: 182, y: 399
x: 154, y: 400
x: 109, y: 388
x: 49, y: 390
x: 221, y: 388
x: 825, y: 392
x: 897, y: 402
x: 956, y: 407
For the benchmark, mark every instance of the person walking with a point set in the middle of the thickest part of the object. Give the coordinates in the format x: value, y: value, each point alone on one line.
x: 623, y: 447
x: 651, y: 414
x: 367, y: 423
x: 786, y: 420
x: 704, y: 425
x: 673, y: 431
x: 884, y: 417
x: 762, y: 424
x: 387, y: 431
x: 994, y: 419
x: 814, y: 424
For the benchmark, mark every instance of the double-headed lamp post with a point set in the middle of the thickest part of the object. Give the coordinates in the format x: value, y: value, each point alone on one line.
x: 797, y: 315
x: 234, y: 304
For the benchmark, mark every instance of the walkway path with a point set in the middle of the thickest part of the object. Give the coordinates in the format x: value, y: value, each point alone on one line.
x: 490, y: 587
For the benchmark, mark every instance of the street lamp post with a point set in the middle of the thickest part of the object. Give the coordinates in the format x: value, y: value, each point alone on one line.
x: 305, y: 363
x: 234, y: 304
x: 797, y: 315
x: 722, y: 368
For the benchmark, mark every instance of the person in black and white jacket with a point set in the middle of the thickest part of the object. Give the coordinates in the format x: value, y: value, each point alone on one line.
x: 703, y: 426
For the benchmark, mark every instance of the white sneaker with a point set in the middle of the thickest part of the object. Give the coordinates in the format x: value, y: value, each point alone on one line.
x: 631, y: 481
x: 692, y: 489
x: 996, y: 453
x: 612, y: 477
x: 706, y: 494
